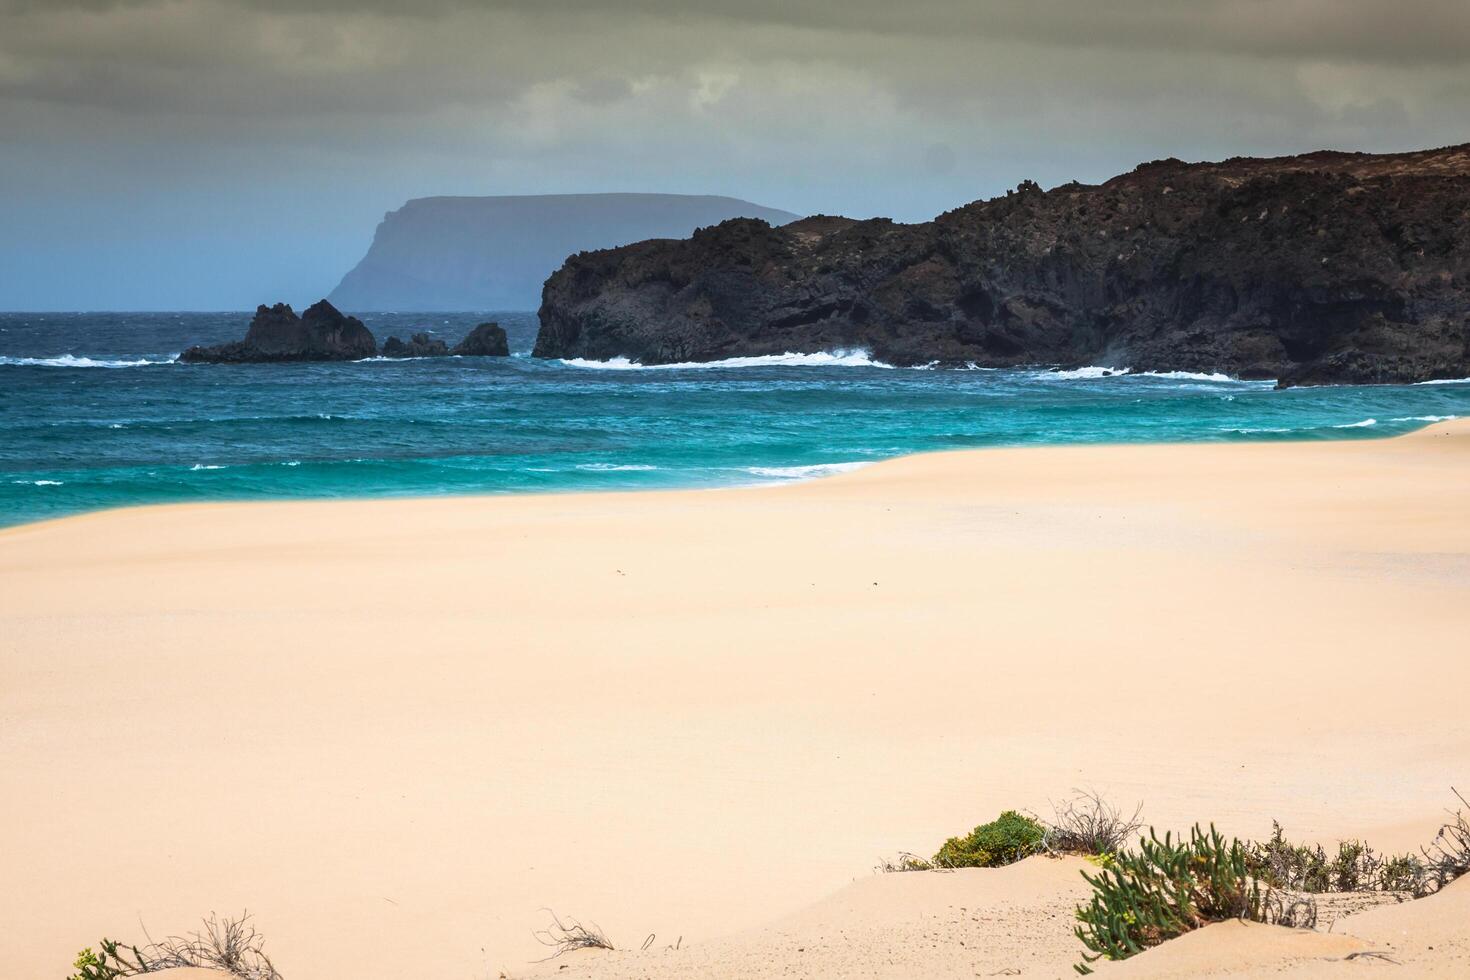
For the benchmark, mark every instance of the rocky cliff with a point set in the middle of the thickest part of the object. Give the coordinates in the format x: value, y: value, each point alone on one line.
x: 1322, y: 268
x: 493, y: 253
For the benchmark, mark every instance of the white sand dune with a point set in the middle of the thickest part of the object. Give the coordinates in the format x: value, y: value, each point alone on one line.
x: 395, y: 730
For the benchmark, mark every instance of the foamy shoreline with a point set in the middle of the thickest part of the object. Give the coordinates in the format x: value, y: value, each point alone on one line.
x: 408, y: 725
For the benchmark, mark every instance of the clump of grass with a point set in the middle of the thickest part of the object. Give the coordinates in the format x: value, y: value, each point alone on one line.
x: 1448, y: 855
x: 1164, y: 889
x: 565, y: 936
x: 1357, y: 867
x: 1353, y: 867
x: 229, y: 945
x: 1089, y: 825
x: 903, y: 862
x: 1005, y: 840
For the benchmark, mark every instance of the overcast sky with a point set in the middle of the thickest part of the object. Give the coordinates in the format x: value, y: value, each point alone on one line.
x: 212, y: 154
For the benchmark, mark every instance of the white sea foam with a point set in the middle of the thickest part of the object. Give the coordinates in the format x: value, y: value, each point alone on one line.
x: 1425, y: 418
x: 1189, y: 376
x: 1357, y: 425
x: 1094, y: 373
x: 38, y: 483
x: 1246, y: 432
x: 1082, y: 374
x: 803, y: 472
x: 616, y: 467
x: 1445, y: 381
x: 73, y: 361
x: 835, y: 358
x: 206, y: 466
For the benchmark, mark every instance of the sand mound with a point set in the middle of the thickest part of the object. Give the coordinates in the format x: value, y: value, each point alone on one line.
x: 1017, y: 921
x: 1232, y: 949
x: 1426, y: 938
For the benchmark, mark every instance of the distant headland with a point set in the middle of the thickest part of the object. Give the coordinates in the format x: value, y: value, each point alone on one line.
x: 494, y: 253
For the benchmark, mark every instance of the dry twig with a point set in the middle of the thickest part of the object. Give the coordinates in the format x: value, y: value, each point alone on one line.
x: 563, y: 937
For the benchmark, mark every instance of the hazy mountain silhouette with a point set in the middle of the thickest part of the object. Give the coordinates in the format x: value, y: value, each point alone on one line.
x: 494, y: 253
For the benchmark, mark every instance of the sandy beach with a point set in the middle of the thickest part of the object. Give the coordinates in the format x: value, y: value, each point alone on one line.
x: 395, y: 731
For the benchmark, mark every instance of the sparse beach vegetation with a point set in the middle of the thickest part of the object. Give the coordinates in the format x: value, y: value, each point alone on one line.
x: 1164, y: 889
x: 1143, y: 894
x: 566, y: 935
x: 231, y: 946
x: 1356, y: 867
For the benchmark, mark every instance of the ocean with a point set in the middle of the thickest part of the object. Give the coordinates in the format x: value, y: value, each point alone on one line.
x: 95, y: 413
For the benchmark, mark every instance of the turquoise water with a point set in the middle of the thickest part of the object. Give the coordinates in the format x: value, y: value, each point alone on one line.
x: 93, y: 413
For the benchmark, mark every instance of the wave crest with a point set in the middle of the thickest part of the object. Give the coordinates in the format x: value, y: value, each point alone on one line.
x: 73, y: 361
x: 1095, y: 373
x: 834, y: 358
x: 803, y: 472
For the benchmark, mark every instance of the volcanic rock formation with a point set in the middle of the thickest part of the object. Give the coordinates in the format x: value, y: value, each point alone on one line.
x: 278, y: 334
x: 419, y: 345
x: 486, y: 340
x: 1323, y: 268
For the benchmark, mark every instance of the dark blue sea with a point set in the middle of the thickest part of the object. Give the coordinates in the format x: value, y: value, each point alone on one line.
x: 94, y: 412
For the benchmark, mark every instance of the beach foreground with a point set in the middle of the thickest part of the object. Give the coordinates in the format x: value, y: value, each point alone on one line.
x: 396, y: 730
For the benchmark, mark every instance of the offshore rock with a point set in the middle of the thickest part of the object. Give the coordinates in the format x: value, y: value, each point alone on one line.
x: 419, y: 345
x: 278, y: 334
x: 486, y: 340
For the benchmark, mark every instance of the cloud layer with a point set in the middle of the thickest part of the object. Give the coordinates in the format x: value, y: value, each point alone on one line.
x: 299, y: 123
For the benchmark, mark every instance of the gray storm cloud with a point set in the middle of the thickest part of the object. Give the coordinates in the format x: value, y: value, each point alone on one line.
x: 267, y: 115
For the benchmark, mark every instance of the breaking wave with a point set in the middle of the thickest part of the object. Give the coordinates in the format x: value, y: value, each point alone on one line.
x: 1095, y: 373
x: 73, y: 361
x: 836, y: 358
x: 803, y: 472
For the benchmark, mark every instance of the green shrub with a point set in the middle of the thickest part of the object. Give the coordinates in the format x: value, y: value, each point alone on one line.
x: 1005, y: 840
x: 1165, y: 889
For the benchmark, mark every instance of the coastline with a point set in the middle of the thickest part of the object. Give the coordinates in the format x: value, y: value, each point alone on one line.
x: 768, y: 476
x: 411, y: 723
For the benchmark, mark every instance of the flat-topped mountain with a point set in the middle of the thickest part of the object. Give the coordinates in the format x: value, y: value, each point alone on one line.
x: 494, y: 253
x: 1321, y: 268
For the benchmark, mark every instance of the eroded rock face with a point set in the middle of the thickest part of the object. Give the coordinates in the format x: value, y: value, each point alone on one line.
x: 419, y: 345
x: 1323, y: 268
x: 278, y: 334
x: 486, y: 340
